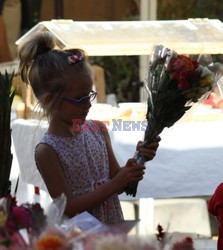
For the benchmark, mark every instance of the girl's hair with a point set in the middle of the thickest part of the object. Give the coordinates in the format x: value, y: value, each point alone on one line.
x: 45, y: 68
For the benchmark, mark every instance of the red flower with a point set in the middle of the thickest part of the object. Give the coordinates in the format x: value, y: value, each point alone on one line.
x: 22, y: 216
x: 184, y: 84
x: 182, y: 63
x: 182, y: 68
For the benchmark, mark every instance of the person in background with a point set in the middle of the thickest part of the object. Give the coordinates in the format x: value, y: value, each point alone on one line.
x: 215, y: 207
x: 5, y: 55
x: 75, y: 156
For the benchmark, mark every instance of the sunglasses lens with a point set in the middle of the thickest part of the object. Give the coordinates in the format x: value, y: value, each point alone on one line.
x: 84, y: 99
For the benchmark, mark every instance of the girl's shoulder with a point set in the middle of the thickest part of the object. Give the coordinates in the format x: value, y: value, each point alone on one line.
x: 43, y: 151
x: 45, y: 155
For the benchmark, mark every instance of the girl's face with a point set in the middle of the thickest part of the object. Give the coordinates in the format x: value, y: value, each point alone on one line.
x: 79, y: 86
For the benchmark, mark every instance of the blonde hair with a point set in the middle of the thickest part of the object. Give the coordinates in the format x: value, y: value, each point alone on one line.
x: 44, y: 68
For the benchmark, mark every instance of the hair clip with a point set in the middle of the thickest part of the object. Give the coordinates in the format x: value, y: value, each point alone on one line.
x: 74, y: 58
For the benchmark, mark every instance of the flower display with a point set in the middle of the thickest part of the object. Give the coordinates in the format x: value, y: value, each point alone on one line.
x: 14, y: 218
x: 174, y: 83
x: 24, y: 227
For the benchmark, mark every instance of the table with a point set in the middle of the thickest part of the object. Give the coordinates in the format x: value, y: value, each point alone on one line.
x: 188, y: 163
x: 205, y: 244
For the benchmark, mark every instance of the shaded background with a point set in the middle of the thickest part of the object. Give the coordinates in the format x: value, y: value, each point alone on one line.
x: 121, y: 72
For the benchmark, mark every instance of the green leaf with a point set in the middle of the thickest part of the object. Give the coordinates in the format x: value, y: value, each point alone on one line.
x: 7, y: 93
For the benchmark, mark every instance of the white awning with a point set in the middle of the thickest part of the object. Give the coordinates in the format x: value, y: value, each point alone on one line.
x: 193, y: 36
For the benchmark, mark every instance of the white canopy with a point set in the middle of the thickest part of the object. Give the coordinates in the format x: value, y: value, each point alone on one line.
x: 193, y: 36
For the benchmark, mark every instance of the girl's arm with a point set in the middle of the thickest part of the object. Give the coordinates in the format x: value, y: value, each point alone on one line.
x: 149, y: 151
x: 53, y: 176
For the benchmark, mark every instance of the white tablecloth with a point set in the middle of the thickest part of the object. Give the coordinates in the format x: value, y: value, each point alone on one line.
x: 189, y: 161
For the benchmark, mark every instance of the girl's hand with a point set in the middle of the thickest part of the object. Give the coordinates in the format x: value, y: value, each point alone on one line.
x: 148, y: 150
x: 131, y: 172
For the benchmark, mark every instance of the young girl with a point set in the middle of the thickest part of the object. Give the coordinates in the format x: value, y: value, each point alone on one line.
x: 77, y: 162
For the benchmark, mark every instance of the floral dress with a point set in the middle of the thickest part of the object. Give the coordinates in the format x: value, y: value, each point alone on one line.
x: 85, y: 164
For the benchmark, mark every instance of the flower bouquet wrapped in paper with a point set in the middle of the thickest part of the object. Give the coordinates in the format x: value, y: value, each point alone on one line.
x: 174, y: 82
x: 19, y: 224
x: 26, y: 226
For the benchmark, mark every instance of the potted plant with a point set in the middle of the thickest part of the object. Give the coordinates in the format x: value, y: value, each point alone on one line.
x: 6, y: 97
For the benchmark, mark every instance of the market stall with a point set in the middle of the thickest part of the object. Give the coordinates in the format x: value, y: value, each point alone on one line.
x: 188, y: 162
x: 193, y: 36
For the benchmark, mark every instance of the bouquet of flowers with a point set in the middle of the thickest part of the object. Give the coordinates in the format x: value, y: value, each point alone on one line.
x: 27, y: 227
x: 174, y: 82
x: 17, y: 221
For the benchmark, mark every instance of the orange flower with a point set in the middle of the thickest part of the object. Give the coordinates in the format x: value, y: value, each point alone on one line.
x: 50, y: 242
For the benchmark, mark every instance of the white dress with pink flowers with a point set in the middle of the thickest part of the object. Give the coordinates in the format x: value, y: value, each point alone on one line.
x: 85, y: 164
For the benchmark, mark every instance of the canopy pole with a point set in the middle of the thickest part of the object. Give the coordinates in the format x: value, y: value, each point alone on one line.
x: 148, y: 11
x: 58, y: 9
